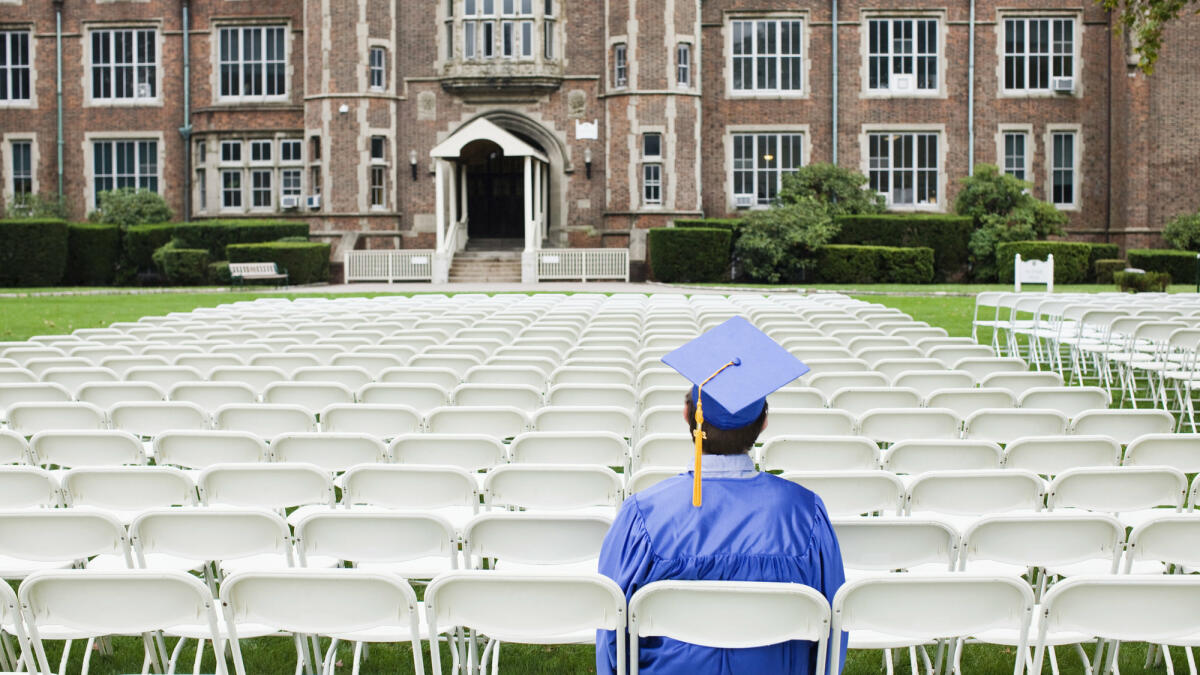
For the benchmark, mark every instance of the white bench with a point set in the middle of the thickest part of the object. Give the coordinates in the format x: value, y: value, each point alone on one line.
x: 240, y: 272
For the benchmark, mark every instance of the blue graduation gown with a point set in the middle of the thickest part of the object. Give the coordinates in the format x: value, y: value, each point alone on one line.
x: 748, y: 529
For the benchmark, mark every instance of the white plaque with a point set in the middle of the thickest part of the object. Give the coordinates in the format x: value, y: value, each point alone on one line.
x: 420, y: 260
x: 587, y: 131
x: 550, y: 259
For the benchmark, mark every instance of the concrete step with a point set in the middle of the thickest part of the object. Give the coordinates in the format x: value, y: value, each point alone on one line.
x: 486, y: 267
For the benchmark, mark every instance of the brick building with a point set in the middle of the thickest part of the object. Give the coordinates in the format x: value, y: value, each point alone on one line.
x: 581, y: 124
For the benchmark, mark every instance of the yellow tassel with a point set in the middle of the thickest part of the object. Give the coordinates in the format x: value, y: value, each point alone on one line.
x: 698, y: 433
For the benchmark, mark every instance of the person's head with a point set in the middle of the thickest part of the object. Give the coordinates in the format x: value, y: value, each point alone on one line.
x: 725, y: 441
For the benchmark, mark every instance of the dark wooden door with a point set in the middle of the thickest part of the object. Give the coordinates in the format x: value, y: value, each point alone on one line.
x: 496, y: 198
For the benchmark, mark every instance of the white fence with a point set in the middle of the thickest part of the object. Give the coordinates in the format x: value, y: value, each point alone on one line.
x: 389, y: 266
x: 583, y: 263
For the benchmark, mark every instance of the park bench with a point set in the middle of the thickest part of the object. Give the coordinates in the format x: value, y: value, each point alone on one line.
x: 241, y: 272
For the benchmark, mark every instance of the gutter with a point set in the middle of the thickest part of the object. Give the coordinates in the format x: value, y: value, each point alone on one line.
x: 58, y: 91
x: 834, y: 23
x: 186, y: 129
x: 971, y: 95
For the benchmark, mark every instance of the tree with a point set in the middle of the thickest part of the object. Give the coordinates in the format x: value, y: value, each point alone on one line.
x: 843, y: 191
x: 1144, y: 21
x: 1003, y: 210
x: 127, y: 207
x: 780, y: 243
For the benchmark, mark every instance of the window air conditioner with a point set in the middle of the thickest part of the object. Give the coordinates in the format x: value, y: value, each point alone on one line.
x: 314, y: 202
x: 289, y: 202
x: 743, y: 201
x: 903, y: 83
x: 143, y: 90
x: 1063, y: 85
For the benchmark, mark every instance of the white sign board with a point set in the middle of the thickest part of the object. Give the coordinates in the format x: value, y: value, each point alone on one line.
x: 419, y: 260
x: 550, y: 259
x: 587, y: 131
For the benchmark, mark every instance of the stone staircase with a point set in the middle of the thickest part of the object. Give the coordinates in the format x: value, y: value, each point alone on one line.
x: 486, y: 266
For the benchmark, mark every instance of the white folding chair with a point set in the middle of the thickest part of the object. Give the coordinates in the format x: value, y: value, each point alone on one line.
x: 28, y: 487
x: 646, y: 478
x: 1003, y: 425
x: 1070, y: 401
x: 497, y: 421
x: 256, y: 377
x: 472, y: 452
x: 729, y: 614
x: 379, y: 420
x: 962, y: 497
x: 853, y: 493
x: 446, y: 491
x: 858, y: 400
x: 207, y: 363
x: 28, y: 419
x: 592, y: 395
x: 830, y: 382
x: 1130, y: 493
x: 1169, y: 539
x: 86, y: 448
x: 917, y: 457
x: 925, y: 382
x: 11, y: 623
x: 46, y: 539
x: 966, y: 402
x: 552, y: 487
x: 586, y: 375
x: 793, y: 422
x: 818, y: 453
x: 212, y: 395
x: 148, y: 420
x: 287, y: 362
x: 525, y: 608
x: 663, y: 450
x: 535, y: 542
x: 312, y: 396
x: 107, y: 394
x: 1123, y: 425
x: 419, y: 397
x: 889, y: 425
x: 883, y: 545
x: 264, y: 420
x: 14, y: 449
x: 894, y: 368
x: 75, y: 378
x: 333, y: 451
x: 351, y: 377
x: 199, y: 449
x: 445, y: 378
x: 1059, y: 544
x: 1020, y: 382
x: 275, y: 486
x: 606, y: 419
x: 570, y: 447
x: 909, y: 611
x: 411, y: 545
x: 1051, y: 455
x: 212, y: 540
x: 522, y: 396
x: 1181, y: 451
x: 127, y: 491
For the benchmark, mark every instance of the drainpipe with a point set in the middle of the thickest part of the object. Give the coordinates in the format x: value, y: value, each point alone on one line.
x: 186, y: 129
x: 58, y: 89
x: 834, y: 4
x: 971, y: 95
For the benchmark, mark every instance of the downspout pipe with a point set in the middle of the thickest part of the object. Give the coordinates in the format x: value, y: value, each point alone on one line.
x: 971, y: 94
x: 834, y: 23
x: 58, y: 92
x: 186, y: 129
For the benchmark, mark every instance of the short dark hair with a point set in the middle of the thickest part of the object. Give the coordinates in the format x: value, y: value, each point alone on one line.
x: 726, y: 441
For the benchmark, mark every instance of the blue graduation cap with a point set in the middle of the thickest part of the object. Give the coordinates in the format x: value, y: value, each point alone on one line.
x: 732, y: 368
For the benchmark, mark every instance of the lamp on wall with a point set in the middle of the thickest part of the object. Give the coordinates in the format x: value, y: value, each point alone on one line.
x: 412, y: 161
x: 587, y: 162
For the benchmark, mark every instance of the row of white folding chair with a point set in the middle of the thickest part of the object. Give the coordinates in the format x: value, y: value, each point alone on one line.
x: 979, y: 367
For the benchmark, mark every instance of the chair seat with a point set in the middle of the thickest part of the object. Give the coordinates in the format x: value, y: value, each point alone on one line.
x: 300, y: 513
x: 1010, y: 637
x: 581, y: 567
x: 17, y: 568
x: 418, y: 568
x: 266, y: 562
x: 1099, y: 566
x: 202, y: 632
x: 932, y: 568
x: 870, y: 639
x: 154, y: 561
x: 394, y: 633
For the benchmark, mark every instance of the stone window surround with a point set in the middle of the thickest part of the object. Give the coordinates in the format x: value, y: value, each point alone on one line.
x: 89, y: 164
x: 732, y: 130
x: 865, y: 160
x: 1048, y: 144
x: 805, y: 41
x: 6, y: 162
x: 1030, y: 146
x: 693, y: 63
x: 213, y: 165
x: 539, y: 18
x: 86, y: 78
x: 30, y: 102
x: 864, y: 45
x: 1080, y: 29
x: 214, y: 76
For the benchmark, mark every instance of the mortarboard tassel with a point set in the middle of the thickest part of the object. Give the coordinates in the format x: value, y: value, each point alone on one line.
x: 698, y: 432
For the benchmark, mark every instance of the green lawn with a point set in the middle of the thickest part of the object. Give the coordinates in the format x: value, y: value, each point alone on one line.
x: 23, y: 317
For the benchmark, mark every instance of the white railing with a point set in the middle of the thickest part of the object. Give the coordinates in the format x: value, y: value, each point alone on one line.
x: 585, y: 264
x: 389, y: 266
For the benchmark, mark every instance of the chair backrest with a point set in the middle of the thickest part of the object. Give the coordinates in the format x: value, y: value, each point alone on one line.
x: 410, y: 487
x: 61, y: 535
x: 570, y: 447
x: 496, y: 421
x: 975, y: 493
x: 1051, y: 455
x: 890, y: 425
x: 199, y: 449
x: 150, y: 419
x: 893, y: 368
x: 28, y: 419
x: 852, y: 493
x: 730, y: 614
x: 128, y: 488
x: 1019, y: 383
x: 818, y: 453
x: 552, y: 487
x: 925, y: 382
x: 663, y: 450
x: 1118, y: 489
x: 210, y: 534
x: 966, y: 402
x: 1003, y: 425
x: 888, y: 544
x: 586, y: 375
x: 830, y: 382
x: 313, y: 396
x: 270, y: 486
x: 212, y: 395
x: 533, y: 538
x: 379, y: 420
x: 257, y: 377
x: 858, y: 400
x: 14, y: 449
x: 1042, y: 540
x: 86, y: 448
x: 105, y: 394
x: 419, y: 397
x: 1181, y: 451
x: 1033, y: 272
x: 375, y: 537
x: 522, y: 396
x: 445, y: 378
x: 605, y: 419
x: 473, y: 452
x: 917, y: 457
x: 1171, y: 538
x: 593, y: 395
x: 793, y: 422
x: 333, y: 451
x: 265, y: 420
x: 1123, y: 425
x: 24, y: 487
x: 1070, y: 401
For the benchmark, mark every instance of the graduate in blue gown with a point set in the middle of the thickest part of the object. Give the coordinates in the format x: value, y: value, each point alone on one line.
x: 723, y: 521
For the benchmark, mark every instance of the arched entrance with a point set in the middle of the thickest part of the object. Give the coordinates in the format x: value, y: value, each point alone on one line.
x: 494, y: 184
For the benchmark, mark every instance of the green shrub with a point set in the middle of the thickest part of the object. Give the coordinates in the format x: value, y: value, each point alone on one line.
x: 1102, y: 252
x: 127, y: 207
x: 33, y: 252
x: 780, y: 244
x: 215, y: 235
x: 139, y: 244
x: 218, y: 273
x: 1183, y: 232
x: 689, y: 254
x: 1139, y: 282
x: 842, y: 191
x: 1070, y: 259
x: 93, y: 254
x: 947, y: 235
x: 1181, y: 265
x: 305, y: 263
x: 731, y: 224
x: 39, y: 206
x: 185, y: 266
x: 851, y: 264
x: 990, y: 192
x: 159, y: 258
x: 1106, y: 268
x: 1003, y: 211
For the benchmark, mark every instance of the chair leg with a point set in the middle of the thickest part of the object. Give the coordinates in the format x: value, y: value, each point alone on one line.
x: 887, y: 662
x: 1191, y: 660
x: 62, y: 664
x: 179, y: 649
x: 200, y: 655
x: 912, y: 660
x: 495, y: 657
x: 87, y: 657
x: 7, y: 658
x: 1110, y: 662
x: 359, y: 653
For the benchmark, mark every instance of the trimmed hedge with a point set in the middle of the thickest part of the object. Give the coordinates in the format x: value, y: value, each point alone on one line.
x: 185, y: 266
x: 1181, y: 265
x: 850, y: 264
x: 690, y: 254
x: 93, y: 254
x: 947, y: 235
x: 218, y: 273
x: 1070, y: 259
x: 731, y: 224
x: 305, y: 263
x: 1102, y: 252
x: 1106, y: 268
x: 215, y: 235
x: 33, y: 252
x: 140, y: 243
x: 1139, y: 282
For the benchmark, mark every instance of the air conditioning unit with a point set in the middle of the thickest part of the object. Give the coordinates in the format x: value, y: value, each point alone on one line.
x: 289, y: 202
x: 143, y: 90
x: 1062, y: 85
x: 743, y: 201
x: 314, y: 202
x: 903, y: 83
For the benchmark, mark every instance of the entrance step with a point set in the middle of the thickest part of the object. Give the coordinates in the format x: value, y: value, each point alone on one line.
x: 481, y: 244
x: 486, y: 266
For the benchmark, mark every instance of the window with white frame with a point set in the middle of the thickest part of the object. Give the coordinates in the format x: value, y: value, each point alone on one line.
x: 1036, y: 50
x: 683, y: 65
x: 1063, y: 174
x: 260, y: 189
x: 261, y: 151
x: 202, y: 189
x: 652, y: 184
x: 378, y: 172
x: 289, y: 183
x: 548, y: 30
x: 289, y: 150
x: 22, y: 168
x: 252, y: 62
x: 767, y: 55
x: 760, y: 161
x: 121, y: 164
x: 231, y: 151
x: 124, y: 64
x: 231, y: 189
x: 14, y: 66
x: 378, y: 68
x: 620, y: 66
x: 256, y: 169
x: 904, y: 167
x: 902, y: 55
x: 1016, y: 154
x: 504, y: 28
